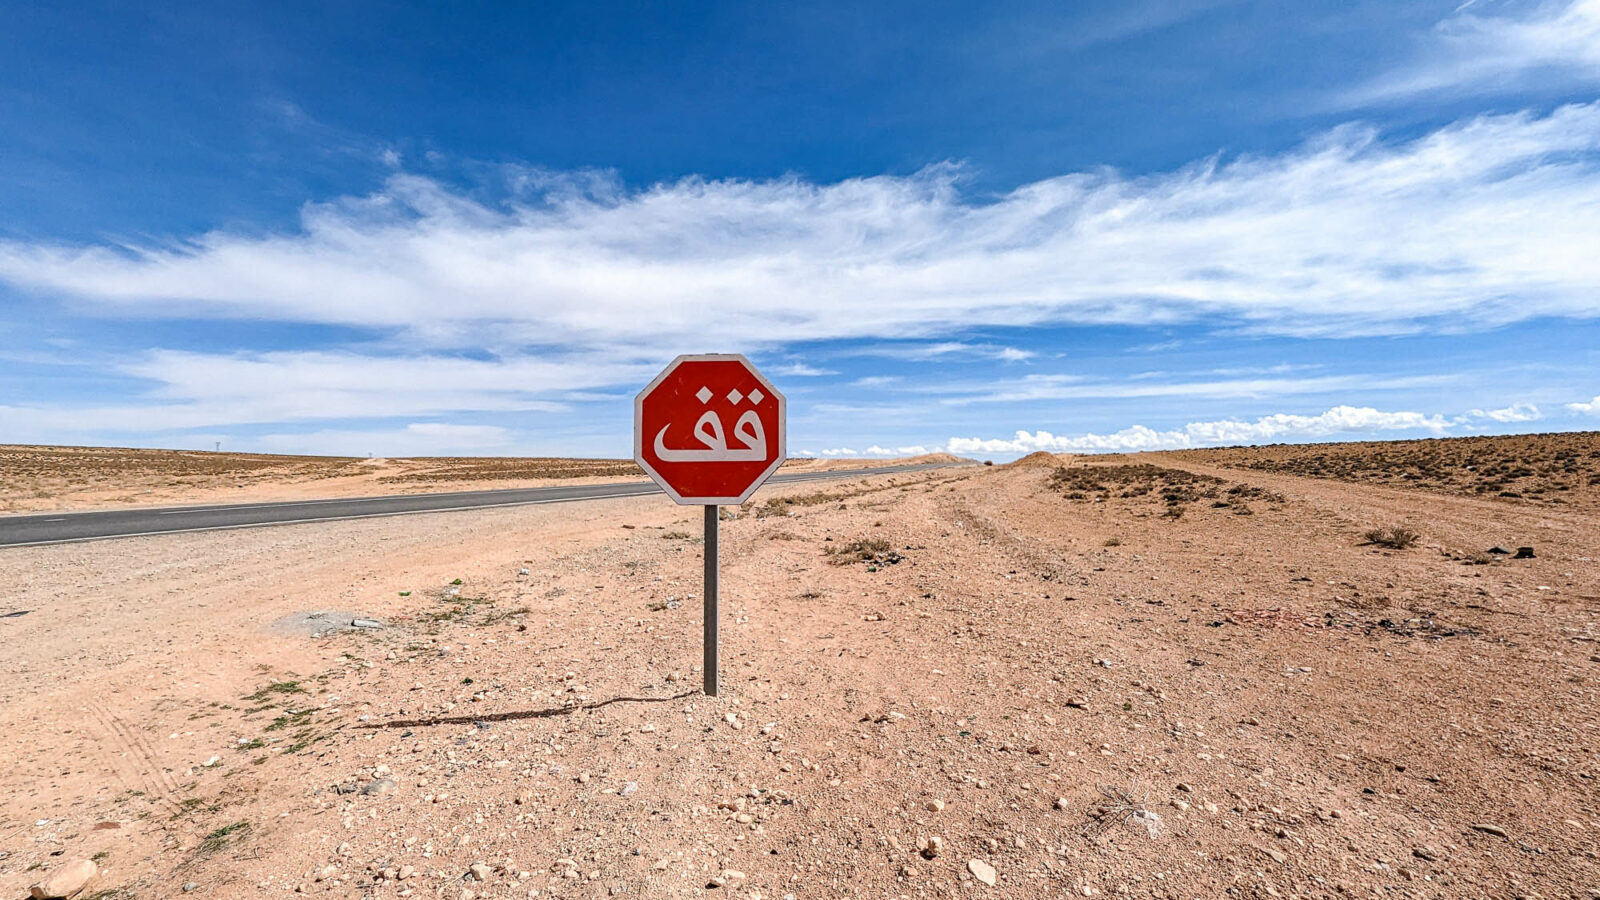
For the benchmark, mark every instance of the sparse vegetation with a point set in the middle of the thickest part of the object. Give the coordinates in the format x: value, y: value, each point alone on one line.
x: 276, y: 688
x: 1395, y: 537
x: 780, y: 506
x: 1175, y: 487
x: 469, y: 468
x: 874, y: 551
x: 1529, y: 468
x: 220, y: 838
x: 1127, y: 805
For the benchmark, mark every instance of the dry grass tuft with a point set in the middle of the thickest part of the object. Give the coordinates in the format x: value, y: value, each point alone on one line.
x: 1395, y: 537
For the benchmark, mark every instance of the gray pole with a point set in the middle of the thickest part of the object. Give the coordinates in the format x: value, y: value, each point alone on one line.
x: 711, y: 601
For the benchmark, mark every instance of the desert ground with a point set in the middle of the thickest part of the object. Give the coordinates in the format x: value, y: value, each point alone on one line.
x: 1283, y: 672
x: 48, y: 479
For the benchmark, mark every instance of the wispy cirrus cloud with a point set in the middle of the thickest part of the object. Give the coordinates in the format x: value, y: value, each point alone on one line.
x: 1034, y: 388
x: 1550, y: 44
x: 1487, y: 221
x: 915, y: 351
x: 801, y: 370
x: 199, y: 390
x: 413, y: 439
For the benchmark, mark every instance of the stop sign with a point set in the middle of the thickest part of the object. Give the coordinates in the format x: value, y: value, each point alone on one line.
x: 709, y: 429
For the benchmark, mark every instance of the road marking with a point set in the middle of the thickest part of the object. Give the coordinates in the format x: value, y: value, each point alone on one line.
x: 191, y: 510
x: 639, y: 489
x: 406, y: 512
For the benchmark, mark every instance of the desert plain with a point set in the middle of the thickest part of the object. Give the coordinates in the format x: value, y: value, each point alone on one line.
x: 1264, y: 672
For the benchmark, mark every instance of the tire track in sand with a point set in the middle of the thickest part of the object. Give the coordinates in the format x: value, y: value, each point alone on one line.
x: 134, y: 760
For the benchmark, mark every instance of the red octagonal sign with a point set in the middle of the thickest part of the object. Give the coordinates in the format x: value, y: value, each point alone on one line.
x: 709, y: 429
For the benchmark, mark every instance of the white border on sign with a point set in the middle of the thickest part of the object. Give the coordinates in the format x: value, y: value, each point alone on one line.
x: 638, y: 429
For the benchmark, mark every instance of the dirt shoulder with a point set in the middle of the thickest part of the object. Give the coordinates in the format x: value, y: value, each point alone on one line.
x: 1270, y: 705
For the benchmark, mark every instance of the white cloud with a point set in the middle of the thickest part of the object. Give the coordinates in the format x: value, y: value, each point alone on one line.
x: 923, y: 352
x: 800, y: 370
x: 876, y: 381
x: 916, y: 450
x: 415, y: 439
x: 1516, y: 412
x: 1551, y: 44
x: 1592, y: 408
x: 195, y: 390
x: 1487, y: 221
x: 1338, y: 420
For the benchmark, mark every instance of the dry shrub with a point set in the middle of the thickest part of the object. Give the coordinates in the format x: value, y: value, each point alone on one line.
x: 868, y: 550
x: 1395, y: 537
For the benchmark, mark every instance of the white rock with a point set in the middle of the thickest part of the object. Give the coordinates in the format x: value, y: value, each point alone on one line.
x: 67, y: 881
x: 981, y: 871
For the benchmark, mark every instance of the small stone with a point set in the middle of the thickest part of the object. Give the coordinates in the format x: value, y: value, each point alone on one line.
x: 1486, y: 828
x: 732, y: 875
x: 583, y: 777
x: 67, y: 881
x: 935, y: 805
x: 1061, y: 803
x: 406, y: 872
x: 1524, y: 553
x: 1425, y: 853
x: 1186, y: 788
x: 189, y: 886
x: 981, y: 871
x: 661, y: 864
x: 932, y: 847
x: 379, y: 787
x: 1277, y: 856
x: 480, y: 871
x: 731, y: 719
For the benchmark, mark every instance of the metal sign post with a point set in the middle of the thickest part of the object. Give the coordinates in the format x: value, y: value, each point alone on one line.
x: 711, y: 601
x: 709, y: 429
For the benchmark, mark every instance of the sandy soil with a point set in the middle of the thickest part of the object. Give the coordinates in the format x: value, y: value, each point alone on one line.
x: 51, y: 479
x: 1075, y: 696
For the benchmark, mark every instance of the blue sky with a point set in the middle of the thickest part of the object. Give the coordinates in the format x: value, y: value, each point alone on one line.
x: 989, y: 228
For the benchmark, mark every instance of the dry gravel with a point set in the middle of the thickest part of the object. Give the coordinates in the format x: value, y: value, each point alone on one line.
x: 1062, y: 696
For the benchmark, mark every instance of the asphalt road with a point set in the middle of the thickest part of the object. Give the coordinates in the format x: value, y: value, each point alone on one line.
x: 60, y: 528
